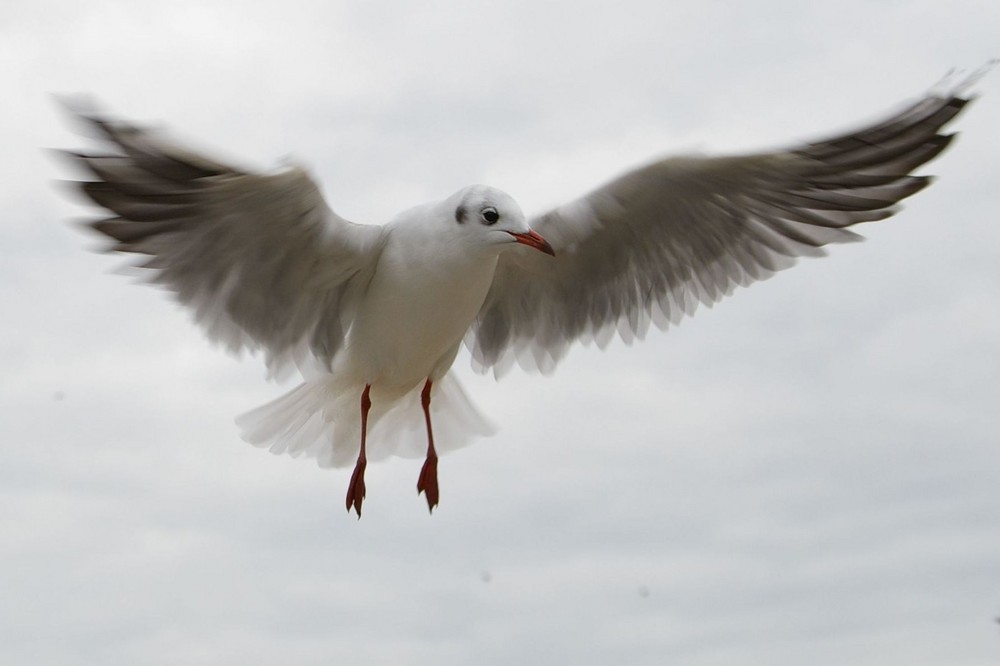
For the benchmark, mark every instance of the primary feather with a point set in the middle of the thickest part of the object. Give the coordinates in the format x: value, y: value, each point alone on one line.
x: 651, y: 245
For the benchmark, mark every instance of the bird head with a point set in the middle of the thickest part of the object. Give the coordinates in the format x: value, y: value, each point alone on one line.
x: 494, y: 216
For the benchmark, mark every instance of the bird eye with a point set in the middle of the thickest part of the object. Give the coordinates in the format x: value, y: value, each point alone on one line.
x: 490, y: 215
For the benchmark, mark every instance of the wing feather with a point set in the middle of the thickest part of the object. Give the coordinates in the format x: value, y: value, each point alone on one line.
x: 650, y: 246
x: 261, y: 259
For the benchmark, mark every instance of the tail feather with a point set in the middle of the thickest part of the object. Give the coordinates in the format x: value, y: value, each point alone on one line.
x: 321, y: 418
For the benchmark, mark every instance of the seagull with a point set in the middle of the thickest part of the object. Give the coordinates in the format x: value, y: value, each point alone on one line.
x: 374, y: 316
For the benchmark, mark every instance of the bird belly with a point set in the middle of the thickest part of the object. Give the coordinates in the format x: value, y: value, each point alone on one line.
x: 410, y: 327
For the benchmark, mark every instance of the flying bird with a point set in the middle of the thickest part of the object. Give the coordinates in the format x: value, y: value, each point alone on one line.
x: 374, y: 316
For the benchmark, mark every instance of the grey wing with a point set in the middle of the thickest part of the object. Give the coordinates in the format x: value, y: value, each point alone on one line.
x: 651, y: 245
x: 260, y: 258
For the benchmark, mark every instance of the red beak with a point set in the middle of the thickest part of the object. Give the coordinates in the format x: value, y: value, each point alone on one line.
x: 532, y: 239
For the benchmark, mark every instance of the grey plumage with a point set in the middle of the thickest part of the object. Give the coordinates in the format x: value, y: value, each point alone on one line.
x: 651, y: 245
x: 260, y: 258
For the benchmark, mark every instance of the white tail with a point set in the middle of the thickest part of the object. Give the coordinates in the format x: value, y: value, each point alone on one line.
x: 322, y: 419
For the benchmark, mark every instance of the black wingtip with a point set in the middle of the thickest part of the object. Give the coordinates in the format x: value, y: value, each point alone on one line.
x: 959, y: 103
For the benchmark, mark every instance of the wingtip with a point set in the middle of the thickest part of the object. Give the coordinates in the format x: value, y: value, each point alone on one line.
x: 80, y: 107
x: 91, y: 119
x: 955, y: 85
x: 73, y: 102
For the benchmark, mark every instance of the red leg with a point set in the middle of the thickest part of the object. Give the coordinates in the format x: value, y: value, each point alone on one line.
x: 356, y: 490
x: 428, y: 481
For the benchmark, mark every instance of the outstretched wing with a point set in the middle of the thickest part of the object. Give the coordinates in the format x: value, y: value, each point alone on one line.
x: 652, y: 244
x: 260, y: 258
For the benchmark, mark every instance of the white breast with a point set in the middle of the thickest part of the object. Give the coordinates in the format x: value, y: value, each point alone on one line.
x: 424, y: 295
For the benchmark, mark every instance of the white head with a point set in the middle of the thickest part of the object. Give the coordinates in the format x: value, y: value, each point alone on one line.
x: 493, y: 214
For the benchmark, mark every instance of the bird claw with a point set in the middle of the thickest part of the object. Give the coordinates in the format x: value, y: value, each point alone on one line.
x: 356, y: 489
x: 428, y: 482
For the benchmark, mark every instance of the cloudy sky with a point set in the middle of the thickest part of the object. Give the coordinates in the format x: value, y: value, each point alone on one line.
x: 807, y: 473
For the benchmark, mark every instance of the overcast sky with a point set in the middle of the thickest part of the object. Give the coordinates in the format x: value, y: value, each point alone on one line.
x: 807, y: 473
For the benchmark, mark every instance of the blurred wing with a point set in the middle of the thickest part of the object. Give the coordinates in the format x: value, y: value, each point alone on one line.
x: 260, y: 258
x: 651, y: 245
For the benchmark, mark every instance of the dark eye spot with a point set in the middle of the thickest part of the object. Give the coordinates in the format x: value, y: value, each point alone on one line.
x: 460, y: 214
x: 490, y: 215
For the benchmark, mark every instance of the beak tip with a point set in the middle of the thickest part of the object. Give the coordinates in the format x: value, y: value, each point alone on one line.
x: 533, y: 239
